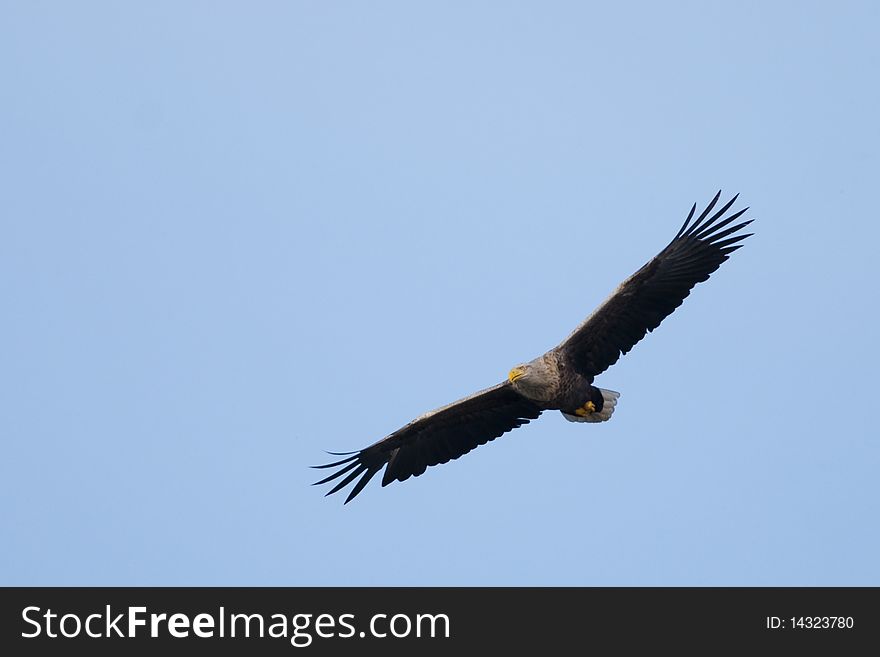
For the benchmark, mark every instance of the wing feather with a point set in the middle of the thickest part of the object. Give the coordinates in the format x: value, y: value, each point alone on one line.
x: 646, y: 298
x: 436, y: 437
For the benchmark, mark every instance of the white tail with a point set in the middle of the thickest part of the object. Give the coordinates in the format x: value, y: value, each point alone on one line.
x: 609, y: 401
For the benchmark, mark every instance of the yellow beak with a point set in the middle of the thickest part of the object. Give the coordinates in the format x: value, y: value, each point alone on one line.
x: 515, y: 373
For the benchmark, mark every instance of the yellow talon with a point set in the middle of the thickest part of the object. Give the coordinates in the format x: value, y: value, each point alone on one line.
x: 586, y: 409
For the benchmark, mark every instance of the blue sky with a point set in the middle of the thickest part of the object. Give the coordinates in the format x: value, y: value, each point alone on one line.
x: 234, y: 236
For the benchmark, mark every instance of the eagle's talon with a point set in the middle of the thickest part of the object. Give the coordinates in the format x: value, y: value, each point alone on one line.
x: 586, y: 409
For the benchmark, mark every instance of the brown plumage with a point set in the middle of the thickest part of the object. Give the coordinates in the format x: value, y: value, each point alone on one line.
x: 562, y: 378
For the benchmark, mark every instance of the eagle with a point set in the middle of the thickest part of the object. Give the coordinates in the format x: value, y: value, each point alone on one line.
x: 561, y: 379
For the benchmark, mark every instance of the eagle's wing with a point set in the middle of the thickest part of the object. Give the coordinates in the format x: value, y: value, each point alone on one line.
x: 436, y: 437
x: 643, y: 300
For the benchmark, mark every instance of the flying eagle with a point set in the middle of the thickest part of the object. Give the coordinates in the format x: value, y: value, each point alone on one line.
x: 561, y: 379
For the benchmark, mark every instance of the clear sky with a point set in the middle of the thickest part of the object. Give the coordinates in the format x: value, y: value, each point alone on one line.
x: 234, y: 235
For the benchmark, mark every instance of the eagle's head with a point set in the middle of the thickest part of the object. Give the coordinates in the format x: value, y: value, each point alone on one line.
x: 535, y: 379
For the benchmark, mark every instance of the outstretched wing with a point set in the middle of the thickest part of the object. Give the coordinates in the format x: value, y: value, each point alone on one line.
x: 643, y: 300
x: 435, y: 437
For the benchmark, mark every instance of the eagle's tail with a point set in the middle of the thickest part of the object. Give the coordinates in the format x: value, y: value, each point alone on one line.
x: 609, y: 401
